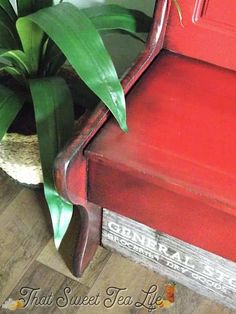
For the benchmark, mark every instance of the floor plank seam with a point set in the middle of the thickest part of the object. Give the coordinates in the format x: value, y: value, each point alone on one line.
x: 100, y: 274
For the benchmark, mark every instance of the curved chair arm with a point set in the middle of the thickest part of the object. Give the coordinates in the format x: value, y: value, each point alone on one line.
x: 72, y: 185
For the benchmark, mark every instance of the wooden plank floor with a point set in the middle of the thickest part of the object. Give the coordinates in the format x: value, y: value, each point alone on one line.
x: 30, y: 266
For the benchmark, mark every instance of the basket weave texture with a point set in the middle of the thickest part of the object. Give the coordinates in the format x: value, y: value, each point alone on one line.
x: 19, y: 158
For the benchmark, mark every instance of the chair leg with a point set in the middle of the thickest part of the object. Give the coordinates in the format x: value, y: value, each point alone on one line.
x: 89, y: 237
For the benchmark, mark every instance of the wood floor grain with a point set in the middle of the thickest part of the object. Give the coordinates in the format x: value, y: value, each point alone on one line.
x: 62, y: 260
x: 25, y: 230
x: 39, y: 282
x: 8, y: 190
x: 54, y: 260
x: 136, y: 280
x: 28, y: 258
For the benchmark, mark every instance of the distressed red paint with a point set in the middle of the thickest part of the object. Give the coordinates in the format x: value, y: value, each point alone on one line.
x: 175, y: 169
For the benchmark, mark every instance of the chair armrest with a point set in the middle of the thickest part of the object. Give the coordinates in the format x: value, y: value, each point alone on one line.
x: 72, y: 185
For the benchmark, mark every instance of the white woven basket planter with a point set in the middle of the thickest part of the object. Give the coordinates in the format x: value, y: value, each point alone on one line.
x: 19, y: 155
x: 19, y: 158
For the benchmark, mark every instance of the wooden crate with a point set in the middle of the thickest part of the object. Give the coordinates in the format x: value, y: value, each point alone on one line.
x: 202, y: 271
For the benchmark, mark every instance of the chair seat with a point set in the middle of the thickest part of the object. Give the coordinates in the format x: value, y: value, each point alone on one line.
x: 175, y: 170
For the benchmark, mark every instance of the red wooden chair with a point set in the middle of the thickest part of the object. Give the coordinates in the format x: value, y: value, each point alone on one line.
x: 175, y: 170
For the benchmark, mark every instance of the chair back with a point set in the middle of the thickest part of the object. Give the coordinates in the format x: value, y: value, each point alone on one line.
x: 208, y: 32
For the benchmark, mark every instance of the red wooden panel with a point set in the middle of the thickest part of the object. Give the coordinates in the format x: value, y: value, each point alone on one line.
x: 120, y: 189
x: 208, y: 33
x: 181, y: 140
x: 182, y: 125
x: 218, y: 12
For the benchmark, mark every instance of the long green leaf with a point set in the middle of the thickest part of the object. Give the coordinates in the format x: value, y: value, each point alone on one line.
x: 7, y: 7
x: 54, y: 120
x: 32, y: 41
x: 18, y: 59
x: 14, y: 73
x: 8, y: 35
x: 10, y: 105
x: 105, y: 18
x: 25, y: 7
x: 2, y: 60
x: 77, y: 37
x: 112, y: 17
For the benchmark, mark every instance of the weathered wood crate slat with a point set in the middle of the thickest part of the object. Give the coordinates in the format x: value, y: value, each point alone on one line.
x: 202, y: 271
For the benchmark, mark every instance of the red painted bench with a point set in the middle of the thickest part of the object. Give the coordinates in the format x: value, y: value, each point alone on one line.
x: 175, y: 170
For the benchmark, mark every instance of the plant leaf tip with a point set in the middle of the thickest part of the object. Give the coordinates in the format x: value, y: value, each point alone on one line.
x: 126, y: 130
x: 124, y: 127
x: 57, y: 243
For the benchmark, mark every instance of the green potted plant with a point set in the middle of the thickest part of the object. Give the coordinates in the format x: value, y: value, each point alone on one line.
x: 35, y: 42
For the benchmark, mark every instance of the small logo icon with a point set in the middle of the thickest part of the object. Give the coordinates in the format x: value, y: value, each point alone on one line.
x: 13, y: 305
x: 168, y: 298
